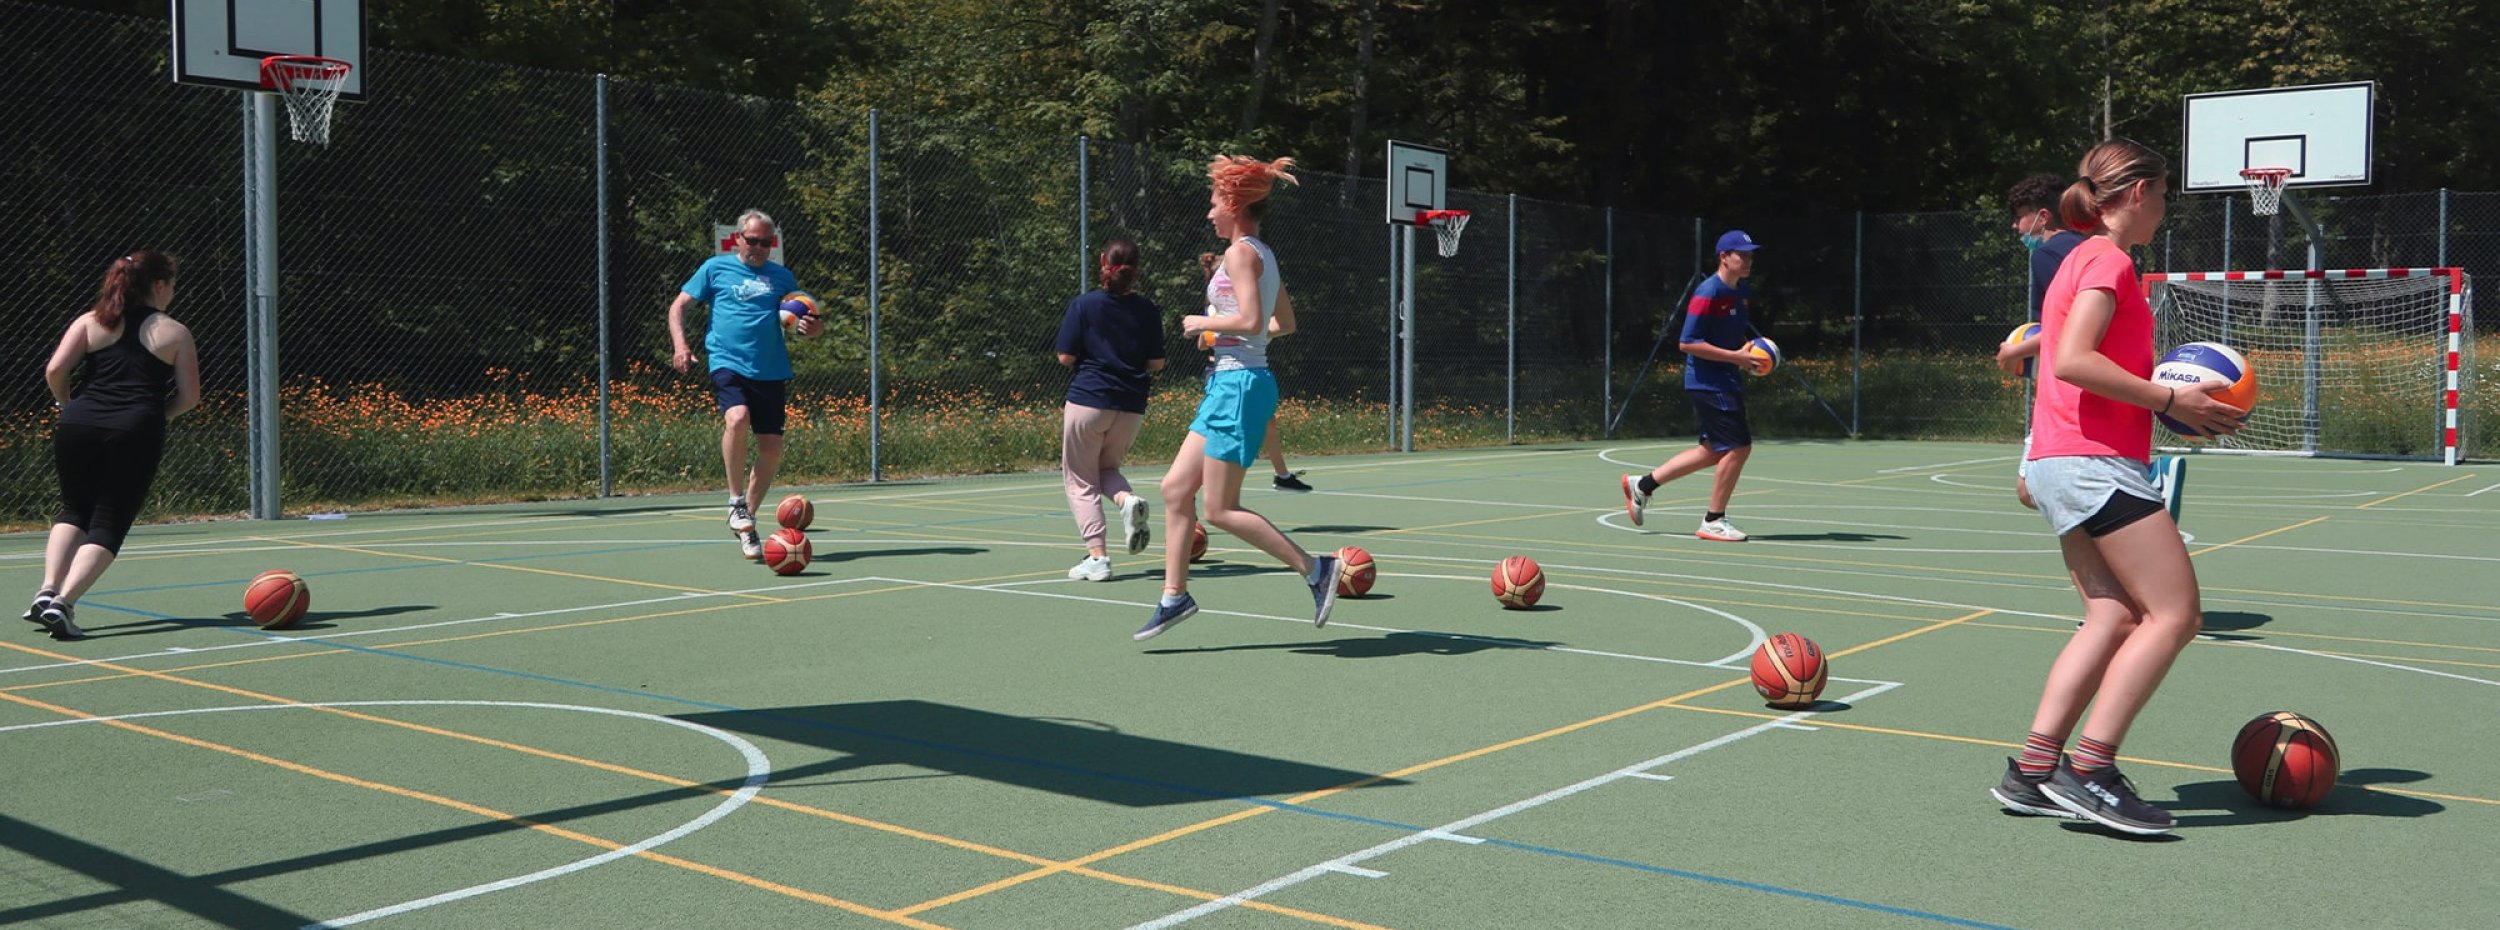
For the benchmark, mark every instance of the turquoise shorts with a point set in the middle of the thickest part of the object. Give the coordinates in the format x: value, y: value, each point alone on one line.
x: 1234, y: 414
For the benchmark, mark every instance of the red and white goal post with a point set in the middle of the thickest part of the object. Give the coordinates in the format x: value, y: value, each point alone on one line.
x: 2361, y: 363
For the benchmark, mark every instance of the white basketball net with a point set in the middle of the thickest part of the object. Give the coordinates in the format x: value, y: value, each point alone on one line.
x: 310, y: 87
x: 2265, y: 189
x: 1447, y: 227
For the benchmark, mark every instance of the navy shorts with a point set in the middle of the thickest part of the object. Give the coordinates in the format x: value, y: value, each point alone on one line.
x: 767, y: 402
x: 1720, y: 417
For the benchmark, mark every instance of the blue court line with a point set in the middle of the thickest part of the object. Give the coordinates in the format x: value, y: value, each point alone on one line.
x: 1174, y: 787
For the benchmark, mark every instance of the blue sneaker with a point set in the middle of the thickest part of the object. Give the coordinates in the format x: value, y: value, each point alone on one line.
x: 1166, y: 617
x: 2170, y: 477
x: 1323, y: 582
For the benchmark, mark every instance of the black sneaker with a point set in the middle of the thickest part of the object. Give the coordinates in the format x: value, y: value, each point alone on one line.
x: 62, y: 620
x: 1323, y: 582
x: 2107, y: 798
x: 1291, y: 481
x: 2020, y: 794
x: 1166, y: 617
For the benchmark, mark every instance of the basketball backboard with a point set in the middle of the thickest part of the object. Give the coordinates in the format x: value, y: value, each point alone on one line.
x: 1419, y: 180
x: 220, y: 42
x: 725, y: 241
x: 2322, y: 132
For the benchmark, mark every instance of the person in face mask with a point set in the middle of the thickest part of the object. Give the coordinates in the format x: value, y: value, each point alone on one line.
x: 2034, y: 205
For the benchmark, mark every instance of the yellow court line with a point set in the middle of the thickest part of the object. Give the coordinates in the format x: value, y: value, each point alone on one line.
x: 2312, y: 521
x: 529, y: 569
x: 1247, y: 813
x: 477, y: 810
x: 2414, y: 491
x: 1821, y: 722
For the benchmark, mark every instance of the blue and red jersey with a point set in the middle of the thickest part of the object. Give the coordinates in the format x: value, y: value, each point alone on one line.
x: 1716, y: 315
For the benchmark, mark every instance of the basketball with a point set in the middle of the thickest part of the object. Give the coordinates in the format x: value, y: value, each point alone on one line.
x: 795, y: 305
x: 2285, y: 760
x: 1765, y: 353
x: 1518, y: 582
x: 795, y: 513
x: 786, y: 551
x: 1788, y: 671
x: 2024, y: 333
x: 1198, y: 543
x: 276, y: 599
x: 2199, y: 362
x: 1356, y: 579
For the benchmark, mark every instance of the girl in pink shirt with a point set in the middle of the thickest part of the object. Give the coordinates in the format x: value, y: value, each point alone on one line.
x: 2092, y: 429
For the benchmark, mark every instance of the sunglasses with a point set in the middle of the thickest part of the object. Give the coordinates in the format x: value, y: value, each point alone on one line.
x: 757, y: 240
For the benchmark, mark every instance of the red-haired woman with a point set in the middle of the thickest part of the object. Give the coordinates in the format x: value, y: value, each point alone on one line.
x: 1113, y: 337
x: 142, y: 370
x: 1248, y: 298
x: 2091, y: 436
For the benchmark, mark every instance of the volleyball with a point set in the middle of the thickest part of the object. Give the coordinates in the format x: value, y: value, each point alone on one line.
x: 2024, y: 333
x: 2199, y: 362
x: 1764, y: 353
x: 794, y: 305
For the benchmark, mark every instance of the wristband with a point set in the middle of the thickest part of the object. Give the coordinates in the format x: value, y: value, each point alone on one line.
x: 2174, y: 398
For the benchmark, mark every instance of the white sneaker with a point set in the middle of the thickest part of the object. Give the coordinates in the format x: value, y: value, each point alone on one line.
x: 1721, y: 531
x: 1133, y: 522
x: 751, y: 545
x: 1094, y: 568
x: 1634, y: 502
x: 741, y: 519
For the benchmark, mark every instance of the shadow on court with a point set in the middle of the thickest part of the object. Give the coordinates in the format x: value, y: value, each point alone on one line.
x: 313, y: 620
x: 1341, y: 530
x: 1079, y: 759
x: 847, y: 554
x: 138, y: 880
x: 1826, y: 537
x: 2222, y: 803
x: 1377, y: 647
x: 2227, y: 620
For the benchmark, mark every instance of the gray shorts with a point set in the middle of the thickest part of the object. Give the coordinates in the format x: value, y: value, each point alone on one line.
x: 2071, y: 488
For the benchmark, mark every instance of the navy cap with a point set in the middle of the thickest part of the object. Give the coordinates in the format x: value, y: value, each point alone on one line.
x: 1736, y: 241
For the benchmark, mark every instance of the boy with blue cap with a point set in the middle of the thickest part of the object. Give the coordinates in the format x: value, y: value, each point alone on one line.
x: 1713, y: 340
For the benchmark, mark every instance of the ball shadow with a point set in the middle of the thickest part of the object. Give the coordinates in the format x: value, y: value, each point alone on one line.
x: 2224, y: 804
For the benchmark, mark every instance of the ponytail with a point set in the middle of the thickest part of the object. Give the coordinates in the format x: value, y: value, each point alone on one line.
x: 2106, y: 172
x: 1119, y: 266
x: 127, y: 282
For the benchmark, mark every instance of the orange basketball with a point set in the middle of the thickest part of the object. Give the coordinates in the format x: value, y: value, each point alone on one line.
x: 1356, y: 579
x: 2285, y: 760
x: 795, y: 513
x: 1198, y: 543
x: 786, y: 551
x: 276, y: 599
x: 1789, y: 671
x: 1518, y: 582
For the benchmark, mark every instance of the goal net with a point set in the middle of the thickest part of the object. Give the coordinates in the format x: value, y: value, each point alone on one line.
x: 2361, y: 363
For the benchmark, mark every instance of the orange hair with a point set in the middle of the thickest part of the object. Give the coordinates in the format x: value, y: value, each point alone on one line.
x: 1241, y: 180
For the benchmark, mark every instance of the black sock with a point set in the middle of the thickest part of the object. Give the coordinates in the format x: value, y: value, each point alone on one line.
x: 1714, y: 516
x: 1648, y: 484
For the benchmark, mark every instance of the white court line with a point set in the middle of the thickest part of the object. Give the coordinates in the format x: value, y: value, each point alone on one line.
x: 275, y: 640
x: 1558, y: 508
x: 2496, y: 486
x: 2285, y: 494
x: 1608, y: 519
x: 1455, y: 827
x: 759, y: 768
x: 1910, y: 468
x: 194, y: 546
x: 2361, y: 661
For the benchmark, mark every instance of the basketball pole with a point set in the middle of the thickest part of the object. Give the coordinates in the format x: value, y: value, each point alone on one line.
x: 260, y: 244
x: 1406, y: 347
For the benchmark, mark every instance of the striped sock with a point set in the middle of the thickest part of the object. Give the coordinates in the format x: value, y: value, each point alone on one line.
x: 2092, y: 755
x: 2039, y: 755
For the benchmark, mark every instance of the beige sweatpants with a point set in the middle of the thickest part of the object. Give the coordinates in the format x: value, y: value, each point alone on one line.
x: 1092, y: 441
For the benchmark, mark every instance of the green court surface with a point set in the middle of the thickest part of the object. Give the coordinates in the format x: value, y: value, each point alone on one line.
x: 596, y: 714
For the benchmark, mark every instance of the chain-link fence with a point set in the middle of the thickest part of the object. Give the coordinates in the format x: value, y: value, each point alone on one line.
x: 446, y: 333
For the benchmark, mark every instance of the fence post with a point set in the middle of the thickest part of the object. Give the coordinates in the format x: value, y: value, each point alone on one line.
x: 2443, y: 227
x: 599, y: 123
x: 876, y: 392
x: 1608, y: 429
x: 1084, y: 214
x: 1394, y: 377
x: 1510, y: 337
x: 1857, y: 326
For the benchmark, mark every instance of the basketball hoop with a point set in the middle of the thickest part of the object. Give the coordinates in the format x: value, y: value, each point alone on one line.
x: 310, y: 86
x: 1446, y: 225
x: 2265, y: 189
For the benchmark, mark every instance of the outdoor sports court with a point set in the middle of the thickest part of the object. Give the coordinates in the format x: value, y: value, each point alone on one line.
x: 596, y: 714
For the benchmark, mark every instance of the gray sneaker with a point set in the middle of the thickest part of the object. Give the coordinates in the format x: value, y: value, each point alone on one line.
x: 41, y: 603
x: 62, y: 620
x: 1133, y: 524
x: 2020, y: 794
x: 1323, y: 582
x: 2107, y: 798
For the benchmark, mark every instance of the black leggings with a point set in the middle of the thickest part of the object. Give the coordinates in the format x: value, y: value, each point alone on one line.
x: 105, y: 475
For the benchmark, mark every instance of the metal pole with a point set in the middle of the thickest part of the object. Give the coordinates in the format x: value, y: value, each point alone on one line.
x: 1608, y: 340
x: 1510, y: 338
x: 607, y: 478
x: 1084, y: 215
x: 261, y: 144
x: 876, y: 395
x: 1394, y: 378
x: 2443, y: 227
x: 1857, y: 326
x: 1406, y: 345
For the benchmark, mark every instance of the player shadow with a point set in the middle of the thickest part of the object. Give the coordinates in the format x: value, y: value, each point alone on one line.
x: 1339, y: 529
x: 312, y: 620
x: 853, y: 555
x: 2224, y: 621
x: 1218, y: 568
x: 1826, y: 537
x: 2222, y: 803
x: 1377, y: 647
x: 124, y: 880
x: 1075, y: 758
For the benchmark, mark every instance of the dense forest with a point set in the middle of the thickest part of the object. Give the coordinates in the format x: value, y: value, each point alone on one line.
x: 1722, y: 108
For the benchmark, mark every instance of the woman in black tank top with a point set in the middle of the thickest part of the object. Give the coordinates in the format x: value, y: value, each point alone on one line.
x: 141, y: 371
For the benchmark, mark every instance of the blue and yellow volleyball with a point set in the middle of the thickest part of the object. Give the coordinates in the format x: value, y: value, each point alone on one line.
x: 1765, y: 353
x: 2199, y: 362
x: 2025, y: 333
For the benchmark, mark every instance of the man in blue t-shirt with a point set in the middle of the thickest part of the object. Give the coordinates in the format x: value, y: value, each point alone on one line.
x: 750, y: 362
x: 1713, y: 340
